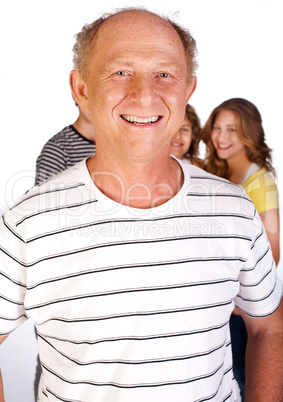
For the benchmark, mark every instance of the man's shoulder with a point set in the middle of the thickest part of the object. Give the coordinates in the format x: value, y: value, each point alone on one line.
x: 62, y: 190
x: 198, y: 175
x: 216, y: 193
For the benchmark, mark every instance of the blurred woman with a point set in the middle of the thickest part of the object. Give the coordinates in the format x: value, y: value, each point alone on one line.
x: 236, y: 150
x: 185, y: 143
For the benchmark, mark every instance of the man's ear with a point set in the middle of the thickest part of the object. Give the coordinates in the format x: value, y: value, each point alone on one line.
x: 79, y: 90
x: 191, y: 88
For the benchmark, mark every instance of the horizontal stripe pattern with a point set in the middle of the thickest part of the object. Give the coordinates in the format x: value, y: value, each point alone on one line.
x: 134, y: 304
x: 62, y: 151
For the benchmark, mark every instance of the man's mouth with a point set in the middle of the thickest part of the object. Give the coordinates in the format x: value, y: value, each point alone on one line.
x: 140, y: 120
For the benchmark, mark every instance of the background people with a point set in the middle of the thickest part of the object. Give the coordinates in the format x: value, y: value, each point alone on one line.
x: 71, y: 145
x: 185, y: 143
x: 141, y: 315
x: 236, y: 149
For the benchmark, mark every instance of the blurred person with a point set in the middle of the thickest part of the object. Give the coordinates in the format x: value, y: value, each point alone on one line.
x: 185, y: 143
x: 236, y: 149
x: 71, y: 145
x: 129, y: 278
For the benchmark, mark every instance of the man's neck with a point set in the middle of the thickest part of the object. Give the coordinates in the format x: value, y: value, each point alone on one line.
x: 137, y: 184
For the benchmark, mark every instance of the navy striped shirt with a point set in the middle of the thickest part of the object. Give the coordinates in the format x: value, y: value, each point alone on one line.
x: 62, y: 151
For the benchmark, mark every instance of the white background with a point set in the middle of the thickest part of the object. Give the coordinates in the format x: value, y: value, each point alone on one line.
x: 240, y: 55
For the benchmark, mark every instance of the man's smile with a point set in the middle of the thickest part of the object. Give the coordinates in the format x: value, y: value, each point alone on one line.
x: 140, y: 120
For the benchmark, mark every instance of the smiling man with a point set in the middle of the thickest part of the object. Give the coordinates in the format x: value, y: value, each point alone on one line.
x: 136, y: 88
x: 130, y: 263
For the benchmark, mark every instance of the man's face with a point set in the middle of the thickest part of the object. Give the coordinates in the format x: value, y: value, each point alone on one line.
x: 137, y: 89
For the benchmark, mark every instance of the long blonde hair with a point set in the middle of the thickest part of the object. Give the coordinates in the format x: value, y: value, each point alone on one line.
x: 249, y: 131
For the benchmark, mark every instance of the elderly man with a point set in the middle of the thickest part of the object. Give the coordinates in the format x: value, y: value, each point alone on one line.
x: 130, y: 263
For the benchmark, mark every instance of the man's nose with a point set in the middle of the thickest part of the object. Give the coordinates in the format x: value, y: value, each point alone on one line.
x: 143, y: 90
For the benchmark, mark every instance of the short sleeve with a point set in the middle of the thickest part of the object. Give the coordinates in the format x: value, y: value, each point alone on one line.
x: 260, y: 286
x: 263, y: 191
x: 12, y: 278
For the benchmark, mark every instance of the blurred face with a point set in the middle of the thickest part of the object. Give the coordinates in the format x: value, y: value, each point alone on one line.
x: 137, y: 85
x: 225, y: 138
x: 181, y: 141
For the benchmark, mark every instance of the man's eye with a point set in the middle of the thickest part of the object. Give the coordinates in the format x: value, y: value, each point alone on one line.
x: 121, y: 73
x: 164, y: 75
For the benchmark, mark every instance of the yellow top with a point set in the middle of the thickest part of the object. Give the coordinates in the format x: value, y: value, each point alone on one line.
x: 262, y: 189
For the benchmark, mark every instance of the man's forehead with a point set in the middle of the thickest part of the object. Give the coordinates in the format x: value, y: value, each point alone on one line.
x: 147, y: 51
x: 127, y: 34
x: 143, y: 56
x: 134, y: 26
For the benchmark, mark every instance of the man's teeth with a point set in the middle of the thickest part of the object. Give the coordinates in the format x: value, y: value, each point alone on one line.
x: 140, y: 120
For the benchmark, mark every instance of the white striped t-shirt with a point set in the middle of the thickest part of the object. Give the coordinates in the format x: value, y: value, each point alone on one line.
x: 129, y: 304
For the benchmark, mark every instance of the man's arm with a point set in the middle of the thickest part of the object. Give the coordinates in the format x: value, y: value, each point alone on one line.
x: 2, y: 339
x: 264, y: 357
